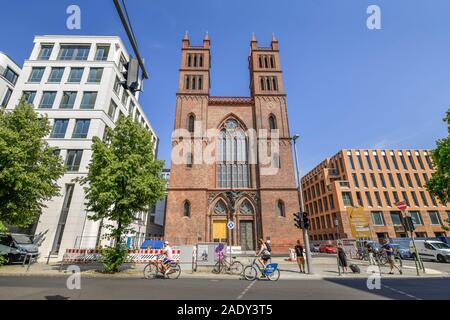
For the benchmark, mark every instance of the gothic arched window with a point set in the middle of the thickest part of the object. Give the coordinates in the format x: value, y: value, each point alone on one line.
x: 187, y: 209
x: 246, y: 207
x: 191, y: 122
x: 280, y: 209
x: 220, y: 207
x: 272, y: 123
x: 263, y: 87
x: 232, y: 170
x: 274, y: 83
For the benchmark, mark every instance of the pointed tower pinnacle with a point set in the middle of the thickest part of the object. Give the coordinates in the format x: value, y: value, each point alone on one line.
x: 206, y: 36
x: 186, y: 40
x: 253, y: 37
x: 274, y: 43
x: 253, y: 43
x: 206, y: 42
x: 186, y: 35
x: 273, y: 37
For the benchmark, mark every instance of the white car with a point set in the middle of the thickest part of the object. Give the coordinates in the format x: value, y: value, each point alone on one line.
x: 431, y: 250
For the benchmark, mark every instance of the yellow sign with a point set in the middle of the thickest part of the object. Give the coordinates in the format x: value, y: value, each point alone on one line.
x: 359, y: 224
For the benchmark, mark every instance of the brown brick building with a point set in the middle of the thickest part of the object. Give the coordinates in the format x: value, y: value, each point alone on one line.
x: 374, y: 180
x: 204, y: 196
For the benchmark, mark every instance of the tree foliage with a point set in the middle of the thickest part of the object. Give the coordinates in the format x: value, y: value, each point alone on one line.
x: 124, y: 177
x: 439, y: 184
x: 29, y: 168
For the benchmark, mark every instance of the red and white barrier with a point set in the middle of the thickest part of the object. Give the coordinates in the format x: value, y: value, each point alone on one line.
x: 134, y: 256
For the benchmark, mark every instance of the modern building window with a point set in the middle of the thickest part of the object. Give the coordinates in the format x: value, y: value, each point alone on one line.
x: 350, y: 160
x: 416, y: 202
x: 360, y: 162
x: 112, y: 109
x: 369, y: 163
x: 68, y: 100
x: 75, y: 75
x: 400, y: 180
x: 347, y: 198
x: 396, y: 218
x: 434, y: 217
x: 402, y: 158
x: 187, y: 209
x: 29, y: 96
x: 331, y: 200
x: 383, y: 182
x: 73, y: 159
x: 364, y: 179
x: 378, y: 198
x: 73, y: 52
x: 369, y: 199
x: 419, y: 183
x: 433, y: 200
x: 429, y: 162
x: 359, y: 199
x: 394, y: 161
x: 377, y: 161
x: 125, y: 97
x: 377, y: 218
x: 63, y: 218
x: 386, y: 162
x: 419, y: 160
x: 395, y: 194
x: 405, y: 198
x: 10, y: 75
x: 391, y: 180
x: 6, y: 97
x: 416, y: 218
x: 411, y: 161
x: 46, y: 51
x: 117, y: 86
x: 280, y: 209
x: 59, y: 128
x: 355, y: 180
x: 88, y: 101
x: 387, y: 199
x: 81, y: 128
x: 95, y: 75
x: 47, y: 100
x: 408, y: 180
x: 56, y: 74
x: 424, y: 198
x: 101, y: 54
x: 36, y: 74
x: 232, y: 169
x: 373, y: 180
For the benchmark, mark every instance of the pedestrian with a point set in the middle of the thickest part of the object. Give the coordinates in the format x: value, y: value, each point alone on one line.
x: 300, y: 257
x: 370, y: 253
x: 342, y: 257
x: 389, y: 249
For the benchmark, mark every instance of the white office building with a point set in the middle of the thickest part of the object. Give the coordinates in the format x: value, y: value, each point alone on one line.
x: 9, y: 73
x: 76, y: 82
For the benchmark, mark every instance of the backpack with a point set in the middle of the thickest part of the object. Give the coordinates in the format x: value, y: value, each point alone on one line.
x: 268, y: 247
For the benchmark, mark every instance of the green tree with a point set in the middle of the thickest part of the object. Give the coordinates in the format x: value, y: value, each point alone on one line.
x: 29, y: 168
x: 439, y: 184
x: 124, y: 179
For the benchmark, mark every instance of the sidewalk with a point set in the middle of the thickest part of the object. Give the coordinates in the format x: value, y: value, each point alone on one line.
x: 323, y: 267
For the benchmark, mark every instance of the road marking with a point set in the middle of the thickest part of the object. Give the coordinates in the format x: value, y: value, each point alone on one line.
x: 245, y: 290
x: 401, y: 292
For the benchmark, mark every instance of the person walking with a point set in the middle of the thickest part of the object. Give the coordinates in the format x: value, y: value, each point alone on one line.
x: 342, y: 258
x: 300, y: 257
x: 370, y: 253
x: 389, y: 249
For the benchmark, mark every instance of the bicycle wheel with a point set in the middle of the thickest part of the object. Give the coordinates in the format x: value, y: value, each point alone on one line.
x: 250, y: 273
x: 236, y: 268
x: 150, y: 271
x: 274, y: 276
x: 218, y: 267
x: 174, y: 271
x: 382, y: 260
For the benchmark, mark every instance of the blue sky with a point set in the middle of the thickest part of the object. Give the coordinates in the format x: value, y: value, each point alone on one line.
x: 347, y: 86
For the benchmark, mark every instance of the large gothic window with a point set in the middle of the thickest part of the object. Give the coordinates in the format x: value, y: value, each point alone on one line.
x: 246, y: 207
x: 220, y: 207
x: 232, y: 170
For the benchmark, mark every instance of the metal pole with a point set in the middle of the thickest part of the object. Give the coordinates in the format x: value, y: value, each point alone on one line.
x: 302, y: 208
x: 417, y: 260
x: 336, y: 223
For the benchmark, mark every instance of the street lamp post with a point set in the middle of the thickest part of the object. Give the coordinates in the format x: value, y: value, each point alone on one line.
x: 302, y: 207
x: 336, y: 223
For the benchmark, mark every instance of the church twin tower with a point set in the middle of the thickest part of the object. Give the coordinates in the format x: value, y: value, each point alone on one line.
x: 236, y: 186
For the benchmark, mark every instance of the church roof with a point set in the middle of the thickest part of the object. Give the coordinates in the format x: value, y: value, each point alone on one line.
x: 230, y: 101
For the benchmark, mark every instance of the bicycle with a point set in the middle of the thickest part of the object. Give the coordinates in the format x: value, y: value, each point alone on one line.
x: 232, y: 267
x: 153, y: 268
x: 270, y: 271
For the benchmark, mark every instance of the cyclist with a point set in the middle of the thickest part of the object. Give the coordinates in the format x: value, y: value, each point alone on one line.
x: 263, y: 254
x: 168, y: 257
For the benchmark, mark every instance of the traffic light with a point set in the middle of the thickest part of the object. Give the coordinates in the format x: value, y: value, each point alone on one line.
x: 305, y: 220
x: 131, y: 75
x: 297, y: 219
x: 409, y: 224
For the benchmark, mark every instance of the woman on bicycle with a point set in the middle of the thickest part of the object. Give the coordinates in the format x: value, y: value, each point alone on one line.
x: 264, y: 253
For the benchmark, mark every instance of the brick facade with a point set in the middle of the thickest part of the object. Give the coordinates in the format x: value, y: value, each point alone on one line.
x: 262, y: 206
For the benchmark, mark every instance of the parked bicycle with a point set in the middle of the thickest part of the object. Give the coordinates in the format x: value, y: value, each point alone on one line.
x: 270, y: 271
x: 233, y: 266
x: 154, y: 268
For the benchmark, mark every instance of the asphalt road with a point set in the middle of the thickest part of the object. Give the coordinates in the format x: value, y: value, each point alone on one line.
x: 51, y: 288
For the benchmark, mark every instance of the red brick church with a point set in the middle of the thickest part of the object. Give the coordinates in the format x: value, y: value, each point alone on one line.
x: 204, y: 195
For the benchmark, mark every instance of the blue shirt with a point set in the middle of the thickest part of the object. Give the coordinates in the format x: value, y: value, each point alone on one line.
x: 389, y: 247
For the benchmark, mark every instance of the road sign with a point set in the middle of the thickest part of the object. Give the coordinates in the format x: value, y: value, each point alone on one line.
x: 401, y: 205
x: 230, y: 225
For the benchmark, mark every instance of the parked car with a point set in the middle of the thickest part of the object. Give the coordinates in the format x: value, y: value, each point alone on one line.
x: 431, y: 250
x: 402, y: 252
x: 15, y: 247
x: 327, y: 248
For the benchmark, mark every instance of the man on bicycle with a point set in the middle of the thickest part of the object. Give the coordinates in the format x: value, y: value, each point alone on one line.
x: 168, y: 257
